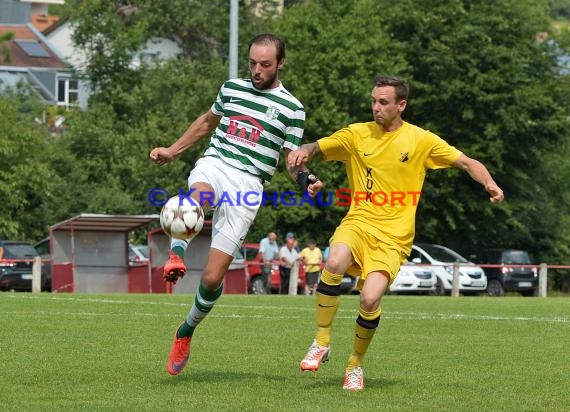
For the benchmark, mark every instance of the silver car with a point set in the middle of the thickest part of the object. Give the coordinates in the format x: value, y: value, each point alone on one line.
x: 472, y: 279
x: 414, y: 279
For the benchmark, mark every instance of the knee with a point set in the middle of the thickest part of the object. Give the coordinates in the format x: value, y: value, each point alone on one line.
x: 335, y: 265
x: 368, y: 302
x: 212, y: 280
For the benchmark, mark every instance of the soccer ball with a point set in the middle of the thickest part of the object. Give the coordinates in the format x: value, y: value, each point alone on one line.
x: 181, y: 220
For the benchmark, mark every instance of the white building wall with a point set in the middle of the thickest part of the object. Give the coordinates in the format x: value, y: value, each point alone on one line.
x: 60, y: 38
x: 156, y: 49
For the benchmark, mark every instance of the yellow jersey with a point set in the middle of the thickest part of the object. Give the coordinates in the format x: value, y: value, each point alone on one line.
x: 312, y: 259
x: 386, y: 172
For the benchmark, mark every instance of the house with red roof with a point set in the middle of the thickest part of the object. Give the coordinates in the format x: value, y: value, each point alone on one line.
x: 28, y: 57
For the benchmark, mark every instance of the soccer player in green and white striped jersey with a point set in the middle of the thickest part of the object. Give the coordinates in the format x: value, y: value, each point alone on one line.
x: 251, y: 120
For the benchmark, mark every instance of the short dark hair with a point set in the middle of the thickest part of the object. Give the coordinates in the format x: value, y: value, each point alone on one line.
x: 267, y: 39
x: 401, y: 85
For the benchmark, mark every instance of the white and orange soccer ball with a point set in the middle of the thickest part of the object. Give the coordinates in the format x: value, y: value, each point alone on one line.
x: 180, y: 219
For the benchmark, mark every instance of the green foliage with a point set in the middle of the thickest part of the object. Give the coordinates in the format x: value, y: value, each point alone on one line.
x: 481, y: 81
x: 4, y: 49
x: 479, y: 78
x: 27, y: 184
x: 330, y: 65
x: 560, y: 9
x: 111, y: 33
x: 331, y: 61
x: 113, y: 142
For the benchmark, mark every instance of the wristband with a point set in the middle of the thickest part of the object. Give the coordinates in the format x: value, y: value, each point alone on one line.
x: 304, y: 179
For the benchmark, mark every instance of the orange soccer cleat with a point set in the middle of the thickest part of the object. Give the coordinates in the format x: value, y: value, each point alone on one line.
x: 354, y: 379
x: 179, y: 355
x: 315, y: 356
x: 174, y: 268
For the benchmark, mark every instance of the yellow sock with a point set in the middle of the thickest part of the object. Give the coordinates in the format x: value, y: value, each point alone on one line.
x: 366, y: 326
x: 327, y: 306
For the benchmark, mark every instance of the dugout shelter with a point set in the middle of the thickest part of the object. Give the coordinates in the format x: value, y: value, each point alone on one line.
x: 235, y: 281
x: 89, y: 254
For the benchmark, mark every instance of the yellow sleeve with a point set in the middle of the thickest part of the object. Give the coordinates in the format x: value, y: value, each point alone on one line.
x: 442, y: 154
x: 337, y: 146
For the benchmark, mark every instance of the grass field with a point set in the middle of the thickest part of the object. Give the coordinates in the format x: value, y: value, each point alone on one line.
x: 108, y: 352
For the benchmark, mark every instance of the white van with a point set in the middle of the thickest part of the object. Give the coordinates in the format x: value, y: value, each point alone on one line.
x: 472, y: 279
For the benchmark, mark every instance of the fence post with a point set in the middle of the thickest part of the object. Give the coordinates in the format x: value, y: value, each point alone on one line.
x: 37, y: 275
x: 542, y: 280
x: 294, y: 278
x: 455, y: 281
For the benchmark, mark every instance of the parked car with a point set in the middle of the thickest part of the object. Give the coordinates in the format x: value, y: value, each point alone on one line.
x: 138, y: 255
x: 349, y: 285
x: 16, y: 267
x: 472, y: 279
x: 412, y: 279
x: 522, y: 279
x: 250, y: 251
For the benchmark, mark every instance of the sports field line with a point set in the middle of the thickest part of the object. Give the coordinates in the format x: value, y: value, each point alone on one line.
x: 350, y: 312
x: 399, y: 316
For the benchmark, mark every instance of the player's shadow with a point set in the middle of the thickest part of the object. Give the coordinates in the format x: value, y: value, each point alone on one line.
x: 334, y: 382
x: 213, y: 377
x: 208, y: 376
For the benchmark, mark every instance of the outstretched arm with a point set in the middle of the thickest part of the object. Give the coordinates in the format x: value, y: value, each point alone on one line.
x: 199, y: 128
x: 303, y: 154
x: 479, y: 173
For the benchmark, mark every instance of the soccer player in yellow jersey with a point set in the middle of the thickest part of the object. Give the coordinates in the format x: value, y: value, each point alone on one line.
x: 386, y: 162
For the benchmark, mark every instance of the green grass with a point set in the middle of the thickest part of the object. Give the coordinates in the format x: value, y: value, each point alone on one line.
x: 108, y: 352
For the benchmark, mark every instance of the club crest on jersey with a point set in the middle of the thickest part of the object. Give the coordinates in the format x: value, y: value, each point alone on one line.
x: 272, y: 113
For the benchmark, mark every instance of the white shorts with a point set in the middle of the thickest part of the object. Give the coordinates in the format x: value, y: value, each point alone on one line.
x: 233, y: 211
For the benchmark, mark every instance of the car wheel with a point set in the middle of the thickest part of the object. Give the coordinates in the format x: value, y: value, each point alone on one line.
x: 439, y: 289
x: 530, y: 292
x: 257, y: 286
x: 494, y: 288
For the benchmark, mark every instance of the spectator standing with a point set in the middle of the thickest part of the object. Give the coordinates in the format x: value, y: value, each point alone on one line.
x: 288, y: 255
x: 312, y: 257
x: 268, y: 252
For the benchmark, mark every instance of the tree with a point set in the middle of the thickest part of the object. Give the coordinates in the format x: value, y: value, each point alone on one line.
x: 134, y: 110
x: 483, y: 83
x: 6, y: 53
x: 27, y: 183
x: 479, y: 79
x: 329, y: 66
x: 112, y: 32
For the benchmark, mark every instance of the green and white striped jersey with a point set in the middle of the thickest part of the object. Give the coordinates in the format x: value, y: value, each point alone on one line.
x: 255, y: 125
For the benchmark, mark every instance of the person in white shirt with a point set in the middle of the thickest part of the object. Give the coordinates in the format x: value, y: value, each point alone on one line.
x: 288, y: 255
x: 268, y: 251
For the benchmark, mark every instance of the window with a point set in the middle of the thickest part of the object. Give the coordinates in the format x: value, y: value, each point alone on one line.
x: 67, y: 92
x: 19, y: 251
x: 32, y: 48
x: 43, y: 248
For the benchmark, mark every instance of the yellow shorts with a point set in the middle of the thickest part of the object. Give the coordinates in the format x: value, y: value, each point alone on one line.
x: 369, y: 253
